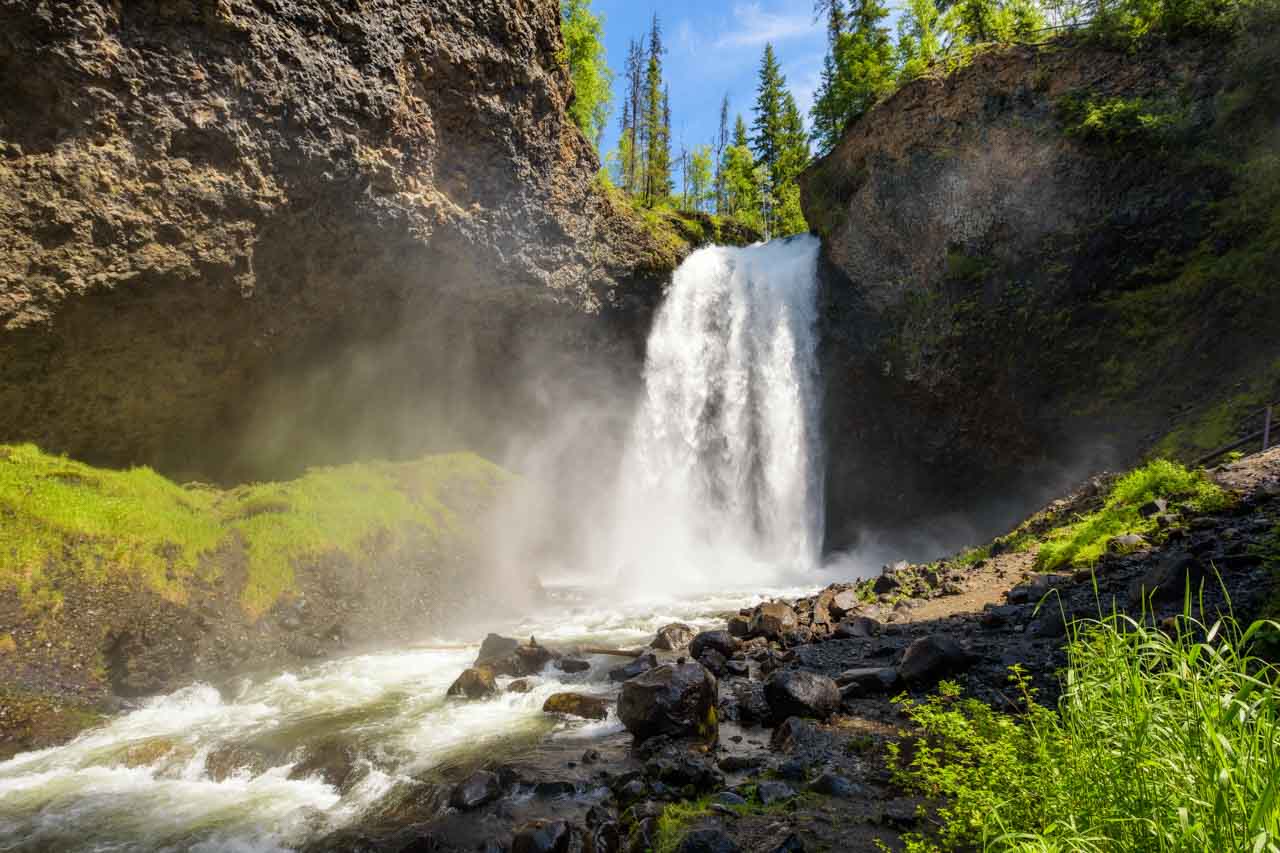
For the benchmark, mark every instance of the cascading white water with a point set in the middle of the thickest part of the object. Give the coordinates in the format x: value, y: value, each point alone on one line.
x: 721, y: 482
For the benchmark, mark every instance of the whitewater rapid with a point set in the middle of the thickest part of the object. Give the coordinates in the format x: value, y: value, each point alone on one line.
x: 722, y: 479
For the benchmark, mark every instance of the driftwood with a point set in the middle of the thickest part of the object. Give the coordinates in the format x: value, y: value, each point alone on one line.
x: 620, y: 653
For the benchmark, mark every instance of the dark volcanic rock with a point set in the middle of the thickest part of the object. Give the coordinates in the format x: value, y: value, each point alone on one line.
x: 542, y: 836
x: 714, y: 661
x: 520, y: 685
x: 708, y: 840
x: 743, y: 701
x: 496, y: 646
x: 639, y: 666
x: 572, y: 665
x: 773, y: 620
x: 673, y: 638
x: 577, y: 705
x: 478, y: 789
x: 869, y: 680
x: 774, y: 792
x: 798, y: 693
x: 934, y: 657
x: 722, y: 641
x: 474, y: 683
x: 739, y: 626
x: 858, y: 627
x: 675, y: 699
x: 1168, y: 580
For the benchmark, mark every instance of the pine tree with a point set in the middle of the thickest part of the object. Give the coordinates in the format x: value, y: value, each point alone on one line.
x: 721, y: 144
x: 861, y: 70
x: 631, y: 144
x: 781, y: 148
x: 656, y: 123
x: 767, y: 127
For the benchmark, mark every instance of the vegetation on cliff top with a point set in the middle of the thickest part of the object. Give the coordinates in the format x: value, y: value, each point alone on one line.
x: 103, y: 525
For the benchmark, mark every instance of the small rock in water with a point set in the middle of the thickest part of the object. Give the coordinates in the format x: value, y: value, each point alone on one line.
x: 496, y: 646
x: 474, y: 683
x: 577, y: 705
x: 639, y: 666
x: 480, y: 788
x: 572, y: 665
x: 520, y: 685
x: 673, y: 637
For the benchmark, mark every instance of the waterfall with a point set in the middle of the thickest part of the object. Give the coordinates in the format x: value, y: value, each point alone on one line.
x: 721, y: 480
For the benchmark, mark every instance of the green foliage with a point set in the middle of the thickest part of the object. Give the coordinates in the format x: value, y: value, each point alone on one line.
x: 102, y: 525
x: 1084, y: 541
x: 973, y: 556
x: 584, y: 53
x: 859, y: 69
x: 678, y: 817
x: 781, y: 148
x: 1163, y: 742
x: 1122, y: 121
x: 698, y: 178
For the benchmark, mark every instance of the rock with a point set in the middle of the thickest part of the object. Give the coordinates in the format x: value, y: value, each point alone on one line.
x: 799, y: 693
x: 542, y: 836
x: 1168, y: 580
x: 707, y: 840
x: 474, y: 683
x: 520, y: 685
x: 774, y: 792
x: 496, y: 646
x: 773, y: 620
x: 740, y: 763
x: 931, y: 658
x: 844, y: 602
x: 858, y: 627
x: 743, y: 701
x: 1126, y: 544
x: 831, y: 784
x: 677, y: 766
x: 729, y: 798
x: 739, y: 626
x: 577, y: 705
x: 797, y: 735
x: 739, y: 668
x: 722, y: 641
x: 1155, y: 507
x: 886, y: 583
x: 673, y: 637
x: 791, y: 844
x: 713, y: 661
x: 868, y: 680
x: 333, y: 759
x: 572, y: 665
x: 226, y: 761
x: 675, y: 699
x: 638, y: 666
x: 479, y: 788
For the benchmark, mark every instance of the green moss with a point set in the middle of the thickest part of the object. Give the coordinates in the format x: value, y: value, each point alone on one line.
x: 1122, y: 121
x: 37, y: 721
x: 136, y: 525
x: 1082, y: 542
x: 973, y: 556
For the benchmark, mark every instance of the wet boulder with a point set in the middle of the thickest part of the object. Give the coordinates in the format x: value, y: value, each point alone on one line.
x: 714, y: 661
x: 799, y: 693
x: 577, y: 705
x: 639, y: 666
x: 673, y: 637
x: 743, y: 701
x: 475, y: 683
x: 722, y: 641
x: 858, y: 627
x: 931, y: 658
x: 739, y: 626
x: 843, y: 603
x: 675, y: 699
x: 774, y: 792
x: 496, y: 646
x: 542, y: 836
x: 865, y: 681
x: 572, y: 665
x: 774, y: 620
x: 520, y: 685
x: 675, y: 765
x: 479, y: 788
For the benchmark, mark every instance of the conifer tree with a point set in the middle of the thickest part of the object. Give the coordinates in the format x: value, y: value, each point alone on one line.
x: 721, y: 145
x: 781, y: 148
x: 656, y: 123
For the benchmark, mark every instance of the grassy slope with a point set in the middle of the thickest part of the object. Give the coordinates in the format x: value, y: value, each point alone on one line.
x: 104, y: 524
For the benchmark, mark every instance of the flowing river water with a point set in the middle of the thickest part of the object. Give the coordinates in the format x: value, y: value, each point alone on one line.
x: 720, y: 502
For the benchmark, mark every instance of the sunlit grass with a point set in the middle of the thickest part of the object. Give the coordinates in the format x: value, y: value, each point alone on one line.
x: 102, y: 525
x: 1164, y: 741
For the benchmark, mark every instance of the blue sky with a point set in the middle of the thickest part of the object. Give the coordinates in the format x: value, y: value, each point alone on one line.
x: 714, y: 47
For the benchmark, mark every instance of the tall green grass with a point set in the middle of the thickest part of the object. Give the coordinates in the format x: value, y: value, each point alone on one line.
x: 1082, y: 542
x: 1163, y: 741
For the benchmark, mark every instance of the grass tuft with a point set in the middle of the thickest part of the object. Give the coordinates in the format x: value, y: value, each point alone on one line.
x: 1164, y: 741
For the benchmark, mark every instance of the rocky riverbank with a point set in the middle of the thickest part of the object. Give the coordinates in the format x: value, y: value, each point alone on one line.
x: 771, y: 733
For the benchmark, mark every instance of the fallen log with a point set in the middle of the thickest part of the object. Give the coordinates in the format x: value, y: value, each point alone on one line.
x: 620, y: 653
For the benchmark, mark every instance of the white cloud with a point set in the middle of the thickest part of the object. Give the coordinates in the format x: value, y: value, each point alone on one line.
x: 754, y: 27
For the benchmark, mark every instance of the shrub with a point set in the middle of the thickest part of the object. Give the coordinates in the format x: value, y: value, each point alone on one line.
x: 1162, y: 742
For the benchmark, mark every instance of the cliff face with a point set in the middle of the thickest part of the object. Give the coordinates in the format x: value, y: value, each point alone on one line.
x: 1053, y: 258
x: 231, y: 231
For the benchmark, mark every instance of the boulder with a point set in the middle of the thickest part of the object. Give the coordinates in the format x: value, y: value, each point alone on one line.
x: 673, y: 637
x: 681, y: 768
x: 542, y: 836
x: 496, y: 646
x: 520, y: 685
x: 868, y: 680
x: 831, y: 784
x: 639, y: 666
x: 722, y: 641
x: 577, y: 705
x: 572, y: 665
x: 858, y: 627
x: 711, y: 839
x: 774, y: 620
x: 1168, y: 580
x: 774, y: 792
x: 1126, y: 544
x: 675, y: 699
x: 474, y: 683
x: 1155, y: 507
x: 523, y: 660
x: 743, y: 702
x: 843, y: 603
x: 739, y: 626
x: 799, y: 693
x: 714, y: 661
x: 931, y: 658
x: 479, y: 788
